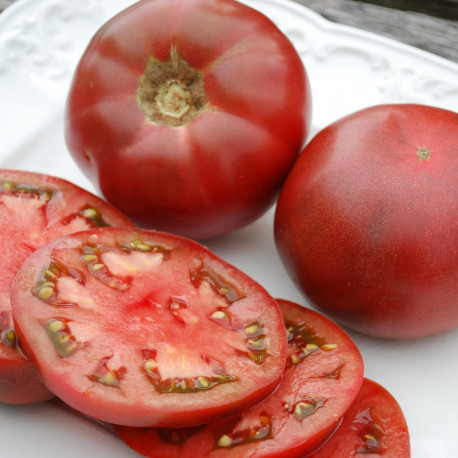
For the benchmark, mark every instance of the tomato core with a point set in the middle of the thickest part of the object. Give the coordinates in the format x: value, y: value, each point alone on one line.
x: 171, y: 92
x: 423, y: 153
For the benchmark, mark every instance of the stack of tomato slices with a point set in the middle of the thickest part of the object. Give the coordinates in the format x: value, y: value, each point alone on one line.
x: 322, y: 408
x: 35, y: 209
x: 182, y: 352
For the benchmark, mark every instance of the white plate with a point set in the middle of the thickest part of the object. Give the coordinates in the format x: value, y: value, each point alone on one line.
x: 40, y: 43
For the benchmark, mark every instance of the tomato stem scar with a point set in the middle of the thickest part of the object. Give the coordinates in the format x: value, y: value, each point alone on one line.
x: 171, y: 92
x: 423, y: 153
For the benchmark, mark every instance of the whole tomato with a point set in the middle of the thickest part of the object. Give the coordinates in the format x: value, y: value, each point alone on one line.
x: 367, y: 221
x: 188, y: 114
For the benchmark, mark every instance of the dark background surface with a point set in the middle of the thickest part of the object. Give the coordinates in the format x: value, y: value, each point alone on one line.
x: 431, y: 25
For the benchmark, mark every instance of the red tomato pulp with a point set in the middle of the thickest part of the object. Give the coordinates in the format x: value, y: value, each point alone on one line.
x: 35, y: 209
x: 373, y: 426
x: 323, y: 374
x: 145, y: 328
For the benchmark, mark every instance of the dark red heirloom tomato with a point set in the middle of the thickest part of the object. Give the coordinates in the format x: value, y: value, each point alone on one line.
x: 322, y: 376
x: 146, y: 328
x: 373, y: 426
x: 35, y: 209
x: 367, y: 222
x: 188, y: 114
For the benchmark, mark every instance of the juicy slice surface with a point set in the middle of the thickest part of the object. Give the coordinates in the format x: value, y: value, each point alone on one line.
x: 322, y: 376
x: 373, y: 426
x: 145, y: 328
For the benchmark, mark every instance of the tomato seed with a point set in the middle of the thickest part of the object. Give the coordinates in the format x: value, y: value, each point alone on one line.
x: 224, y: 441
x: 45, y: 292
x: 252, y: 329
x: 150, y: 364
x: 329, y: 347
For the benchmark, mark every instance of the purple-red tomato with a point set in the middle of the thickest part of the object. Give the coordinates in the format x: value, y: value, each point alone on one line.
x: 367, y: 221
x: 188, y: 115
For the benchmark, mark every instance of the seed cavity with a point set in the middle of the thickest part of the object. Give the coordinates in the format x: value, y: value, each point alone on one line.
x: 370, y: 432
x: 177, y: 305
x: 223, y: 318
x: 304, y: 341
x: 61, y: 336
x: 256, y: 341
x: 261, y: 431
x: 333, y: 374
x: 304, y: 408
x: 46, y: 289
x: 26, y: 190
x: 92, y: 256
x: 220, y: 286
x: 184, y: 384
x: 203, y: 382
x: 140, y: 245
x: 106, y: 375
x: 7, y: 334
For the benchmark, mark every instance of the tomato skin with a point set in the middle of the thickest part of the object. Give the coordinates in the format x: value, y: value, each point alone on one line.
x: 20, y: 383
x: 368, y: 230
x: 146, y: 328
x: 313, y: 378
x: 223, y: 169
x: 374, y: 410
x: 23, y: 229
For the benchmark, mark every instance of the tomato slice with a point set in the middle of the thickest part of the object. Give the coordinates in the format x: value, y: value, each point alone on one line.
x: 34, y: 209
x: 322, y: 376
x: 373, y: 426
x: 145, y: 328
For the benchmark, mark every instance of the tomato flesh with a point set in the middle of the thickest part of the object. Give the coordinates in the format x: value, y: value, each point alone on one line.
x: 322, y: 375
x: 146, y: 328
x: 34, y: 209
x: 374, y: 425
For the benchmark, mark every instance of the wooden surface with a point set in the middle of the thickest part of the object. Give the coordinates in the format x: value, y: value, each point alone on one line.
x: 431, y: 25
x: 425, y: 30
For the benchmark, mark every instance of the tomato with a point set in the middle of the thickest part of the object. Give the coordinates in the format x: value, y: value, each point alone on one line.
x: 322, y: 376
x: 366, y: 223
x: 373, y: 426
x: 34, y: 209
x: 187, y: 115
x: 146, y: 328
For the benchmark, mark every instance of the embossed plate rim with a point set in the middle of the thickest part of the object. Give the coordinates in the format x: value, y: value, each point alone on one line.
x: 389, y: 71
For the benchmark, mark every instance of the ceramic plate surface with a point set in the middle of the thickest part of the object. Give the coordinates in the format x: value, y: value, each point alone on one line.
x: 40, y: 44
